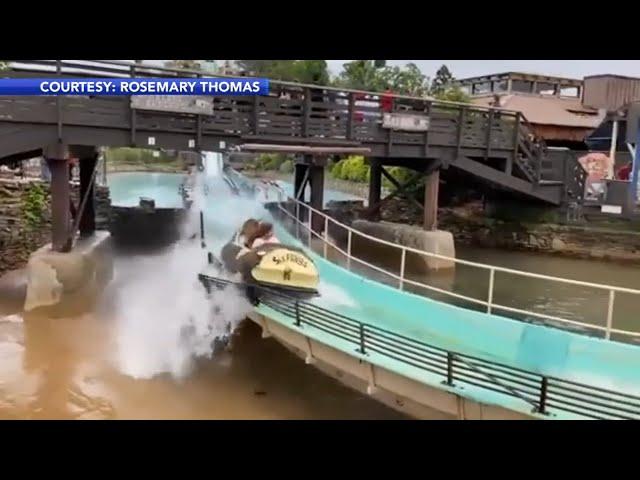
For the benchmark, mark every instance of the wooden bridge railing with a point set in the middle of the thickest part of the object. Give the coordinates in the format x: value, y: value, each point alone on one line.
x: 312, y: 113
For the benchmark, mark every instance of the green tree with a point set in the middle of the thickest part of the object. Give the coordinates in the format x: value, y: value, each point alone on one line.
x: 301, y: 71
x: 361, y: 75
x: 365, y: 75
x: 442, y: 80
x: 183, y: 64
x: 453, y: 94
x: 256, y: 67
x: 310, y: 71
x: 407, y: 80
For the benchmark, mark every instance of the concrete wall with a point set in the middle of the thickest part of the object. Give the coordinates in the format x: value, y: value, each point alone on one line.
x: 439, y: 242
x: 598, y: 240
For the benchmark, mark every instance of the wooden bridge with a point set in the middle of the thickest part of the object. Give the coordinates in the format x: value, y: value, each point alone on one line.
x: 494, y: 146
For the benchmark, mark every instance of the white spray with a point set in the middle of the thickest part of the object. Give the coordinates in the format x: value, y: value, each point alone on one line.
x: 164, y: 318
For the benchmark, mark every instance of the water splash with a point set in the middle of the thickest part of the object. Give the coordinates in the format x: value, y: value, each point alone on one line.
x: 165, y: 320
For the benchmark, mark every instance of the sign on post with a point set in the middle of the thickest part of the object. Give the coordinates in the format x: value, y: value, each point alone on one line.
x: 174, y: 104
x: 405, y: 121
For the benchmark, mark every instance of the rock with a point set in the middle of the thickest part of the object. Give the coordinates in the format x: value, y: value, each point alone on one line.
x: 557, y: 244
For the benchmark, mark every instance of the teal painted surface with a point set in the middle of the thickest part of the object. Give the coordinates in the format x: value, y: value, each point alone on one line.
x: 535, y: 348
x: 126, y: 188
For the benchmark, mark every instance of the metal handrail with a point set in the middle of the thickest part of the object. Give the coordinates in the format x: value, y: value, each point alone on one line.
x: 608, y: 328
x: 536, y: 389
x: 141, y: 68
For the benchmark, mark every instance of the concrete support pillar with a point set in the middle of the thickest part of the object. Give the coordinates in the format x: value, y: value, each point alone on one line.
x: 375, y: 185
x: 87, y: 219
x: 431, y: 185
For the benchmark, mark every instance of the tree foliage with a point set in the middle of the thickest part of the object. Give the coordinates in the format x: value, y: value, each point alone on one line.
x: 407, y: 80
x: 442, y: 80
x: 183, y: 64
x: 361, y: 75
x: 302, y: 71
x: 366, y: 75
x: 453, y: 94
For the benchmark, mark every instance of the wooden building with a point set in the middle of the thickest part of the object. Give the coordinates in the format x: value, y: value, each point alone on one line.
x: 552, y: 105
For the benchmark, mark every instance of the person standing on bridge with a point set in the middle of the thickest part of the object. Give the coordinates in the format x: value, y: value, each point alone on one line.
x: 386, y: 100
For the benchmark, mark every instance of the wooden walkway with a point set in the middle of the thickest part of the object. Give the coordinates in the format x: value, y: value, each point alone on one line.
x: 492, y: 145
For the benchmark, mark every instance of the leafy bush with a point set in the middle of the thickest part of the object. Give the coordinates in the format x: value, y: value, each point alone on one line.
x: 286, y: 166
x: 271, y: 161
x: 35, y: 205
x: 352, y: 168
x: 401, y: 174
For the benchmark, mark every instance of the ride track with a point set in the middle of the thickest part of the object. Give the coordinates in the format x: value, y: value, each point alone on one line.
x: 536, y: 370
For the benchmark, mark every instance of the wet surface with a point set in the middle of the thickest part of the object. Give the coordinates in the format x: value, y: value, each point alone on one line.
x: 63, y: 369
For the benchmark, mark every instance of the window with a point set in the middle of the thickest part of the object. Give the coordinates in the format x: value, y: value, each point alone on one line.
x: 523, y: 86
x: 484, y: 87
x: 544, y: 88
x: 500, y: 86
x: 567, y: 91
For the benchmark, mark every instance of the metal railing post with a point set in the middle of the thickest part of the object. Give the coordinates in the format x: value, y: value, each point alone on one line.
x: 612, y: 297
x: 309, y: 230
x: 202, y: 244
x: 297, y: 220
x: 403, y: 261
x: 492, y: 275
x: 449, y: 369
x: 362, y: 340
x: 543, y: 395
x: 349, y: 249
x: 326, y: 235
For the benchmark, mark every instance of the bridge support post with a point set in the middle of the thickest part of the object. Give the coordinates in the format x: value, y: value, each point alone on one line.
x: 375, y: 186
x: 300, y: 179
x: 316, y: 175
x: 58, y: 163
x: 431, y: 184
x: 87, y: 219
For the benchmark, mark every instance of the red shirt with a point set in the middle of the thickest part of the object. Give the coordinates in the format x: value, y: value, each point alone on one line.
x: 386, y: 102
x: 624, y: 173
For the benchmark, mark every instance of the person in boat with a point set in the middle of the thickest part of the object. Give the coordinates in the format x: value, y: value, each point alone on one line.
x: 249, y: 232
x: 263, y: 234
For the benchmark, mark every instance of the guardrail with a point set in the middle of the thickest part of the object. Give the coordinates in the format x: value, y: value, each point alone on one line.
x: 545, y: 394
x: 325, y: 112
x: 490, y: 304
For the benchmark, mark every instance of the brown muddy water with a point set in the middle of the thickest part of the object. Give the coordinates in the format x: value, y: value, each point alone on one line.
x: 114, y: 363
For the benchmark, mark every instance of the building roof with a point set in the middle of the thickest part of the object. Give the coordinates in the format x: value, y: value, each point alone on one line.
x: 559, y: 111
x: 520, y: 75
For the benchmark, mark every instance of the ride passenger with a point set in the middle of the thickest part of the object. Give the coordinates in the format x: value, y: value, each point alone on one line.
x: 248, y: 231
x: 264, y: 235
